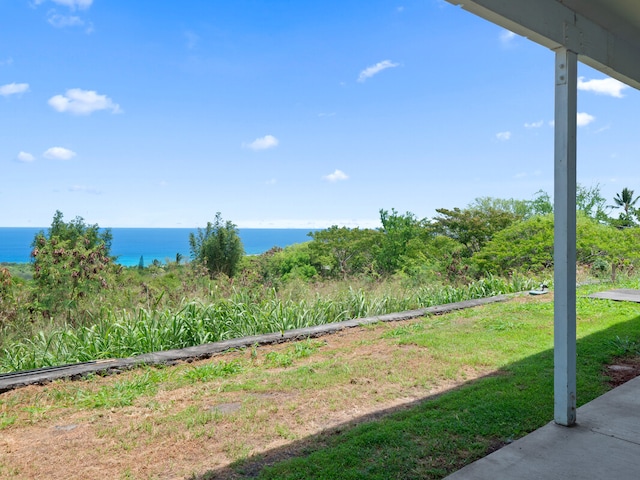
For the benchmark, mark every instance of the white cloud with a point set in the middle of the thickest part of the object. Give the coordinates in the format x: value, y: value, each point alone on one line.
x: 271, y: 181
x: 263, y: 143
x: 72, y: 4
x: 26, y: 157
x: 375, y: 69
x: 59, y: 153
x: 336, y: 176
x: 83, y: 102
x: 604, y: 86
x: 534, y: 124
x: 503, y: 136
x: 7, y: 62
x: 81, y: 4
x: 13, y: 89
x: 62, y: 21
x: 584, y: 119
x: 506, y: 37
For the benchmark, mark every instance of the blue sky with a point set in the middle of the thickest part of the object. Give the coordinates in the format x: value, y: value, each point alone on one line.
x: 283, y: 113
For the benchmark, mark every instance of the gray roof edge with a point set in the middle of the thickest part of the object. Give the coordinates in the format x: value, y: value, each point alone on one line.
x: 554, y: 25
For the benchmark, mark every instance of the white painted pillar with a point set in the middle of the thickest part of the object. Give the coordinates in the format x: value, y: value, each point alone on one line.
x: 565, y: 238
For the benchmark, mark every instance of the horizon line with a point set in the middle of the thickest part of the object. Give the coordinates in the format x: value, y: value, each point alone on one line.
x: 254, y: 225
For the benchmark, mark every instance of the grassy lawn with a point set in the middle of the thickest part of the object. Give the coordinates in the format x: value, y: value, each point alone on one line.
x: 414, y: 399
x: 442, y: 434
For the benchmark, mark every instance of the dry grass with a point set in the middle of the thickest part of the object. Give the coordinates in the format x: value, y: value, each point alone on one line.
x: 183, y: 429
x: 182, y: 421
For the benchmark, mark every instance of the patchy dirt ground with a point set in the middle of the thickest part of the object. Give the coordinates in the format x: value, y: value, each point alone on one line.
x: 622, y: 371
x: 186, y: 429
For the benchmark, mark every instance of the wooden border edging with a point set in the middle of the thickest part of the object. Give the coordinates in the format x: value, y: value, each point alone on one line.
x: 41, y: 376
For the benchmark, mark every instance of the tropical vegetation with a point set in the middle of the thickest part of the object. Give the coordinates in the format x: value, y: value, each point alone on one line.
x: 73, y: 302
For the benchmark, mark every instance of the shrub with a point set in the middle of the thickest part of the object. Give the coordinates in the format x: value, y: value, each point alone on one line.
x: 70, y: 261
x: 524, y: 245
x: 218, y: 247
x: 528, y: 245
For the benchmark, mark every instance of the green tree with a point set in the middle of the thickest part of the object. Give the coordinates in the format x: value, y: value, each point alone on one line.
x: 591, y: 203
x: 520, y: 209
x: 528, y: 246
x: 342, y: 251
x: 289, y: 263
x: 401, y: 240
x: 77, y: 229
x: 5, y: 286
x: 626, y: 201
x: 473, y: 227
x: 541, y: 204
x: 70, y: 261
x: 217, y: 247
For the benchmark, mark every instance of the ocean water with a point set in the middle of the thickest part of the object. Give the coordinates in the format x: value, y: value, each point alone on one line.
x: 162, y: 244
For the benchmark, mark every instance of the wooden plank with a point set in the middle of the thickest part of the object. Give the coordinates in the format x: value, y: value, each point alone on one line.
x: 10, y: 381
x: 620, y: 295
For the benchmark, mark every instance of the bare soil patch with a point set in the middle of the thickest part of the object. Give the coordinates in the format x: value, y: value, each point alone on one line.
x: 622, y: 370
x: 185, y: 431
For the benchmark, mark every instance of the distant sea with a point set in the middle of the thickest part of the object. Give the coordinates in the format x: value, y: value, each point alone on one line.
x: 162, y: 244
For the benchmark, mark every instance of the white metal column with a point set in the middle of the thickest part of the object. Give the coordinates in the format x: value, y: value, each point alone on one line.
x: 565, y: 238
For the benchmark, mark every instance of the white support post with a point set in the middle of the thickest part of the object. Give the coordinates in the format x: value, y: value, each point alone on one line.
x: 565, y: 238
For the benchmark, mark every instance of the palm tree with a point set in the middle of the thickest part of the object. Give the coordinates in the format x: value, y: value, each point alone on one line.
x: 626, y: 201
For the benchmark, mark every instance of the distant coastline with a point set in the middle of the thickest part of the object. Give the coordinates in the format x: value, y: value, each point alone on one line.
x: 161, y: 244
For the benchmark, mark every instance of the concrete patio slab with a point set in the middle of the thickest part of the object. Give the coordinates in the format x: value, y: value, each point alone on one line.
x: 605, y: 444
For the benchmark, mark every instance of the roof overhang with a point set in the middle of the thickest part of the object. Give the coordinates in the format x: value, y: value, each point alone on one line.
x: 604, y: 33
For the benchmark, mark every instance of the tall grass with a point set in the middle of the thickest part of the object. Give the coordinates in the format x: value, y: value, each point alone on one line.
x: 124, y: 333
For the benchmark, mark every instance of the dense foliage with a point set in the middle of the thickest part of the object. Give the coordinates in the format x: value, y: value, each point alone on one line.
x: 72, y: 260
x: 242, y: 313
x: 74, y: 294
x: 217, y: 247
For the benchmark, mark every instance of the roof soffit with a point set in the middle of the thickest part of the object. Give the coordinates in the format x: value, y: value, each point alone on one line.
x: 604, y: 33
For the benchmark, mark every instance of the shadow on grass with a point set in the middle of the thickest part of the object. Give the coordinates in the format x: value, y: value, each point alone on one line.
x: 439, y: 434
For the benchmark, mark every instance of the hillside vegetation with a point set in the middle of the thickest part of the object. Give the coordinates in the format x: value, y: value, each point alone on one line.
x: 73, y: 302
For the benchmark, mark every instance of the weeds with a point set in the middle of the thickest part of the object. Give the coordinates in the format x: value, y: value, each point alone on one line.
x: 625, y: 347
x: 124, y: 333
x: 120, y: 394
x: 207, y: 372
x: 500, y: 355
x: 298, y: 350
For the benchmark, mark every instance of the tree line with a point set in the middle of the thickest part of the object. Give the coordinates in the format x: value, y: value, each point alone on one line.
x: 72, y: 261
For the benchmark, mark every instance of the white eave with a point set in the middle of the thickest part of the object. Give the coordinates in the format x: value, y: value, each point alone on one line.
x: 604, y: 33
